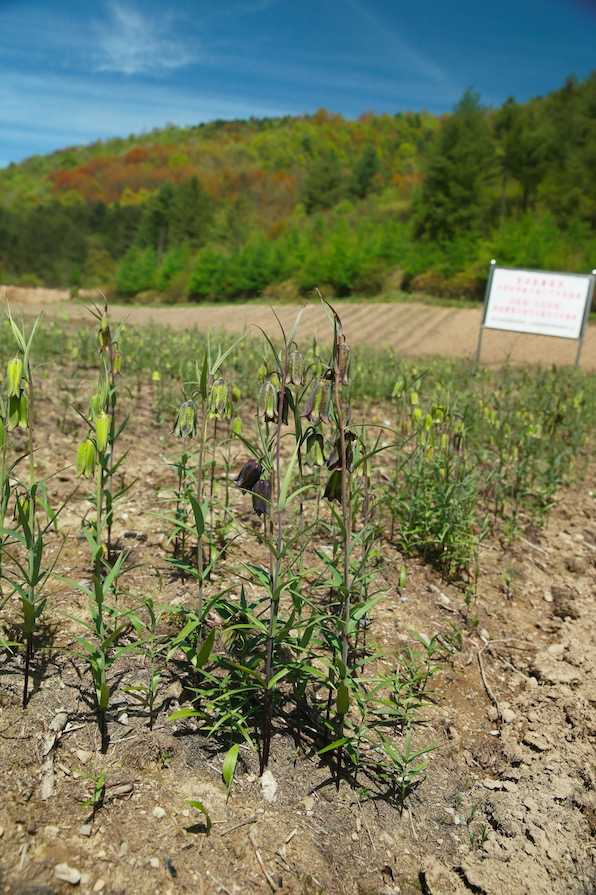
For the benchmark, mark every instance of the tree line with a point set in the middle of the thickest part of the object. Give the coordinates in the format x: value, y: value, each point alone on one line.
x: 229, y: 209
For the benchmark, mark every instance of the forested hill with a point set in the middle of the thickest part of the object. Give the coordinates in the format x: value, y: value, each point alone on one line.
x: 228, y: 209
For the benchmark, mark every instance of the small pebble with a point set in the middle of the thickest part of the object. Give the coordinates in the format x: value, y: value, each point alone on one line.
x: 85, y: 830
x: 154, y: 862
x: 67, y: 874
x: 100, y: 885
x: 84, y: 755
x: 268, y: 786
x: 158, y: 812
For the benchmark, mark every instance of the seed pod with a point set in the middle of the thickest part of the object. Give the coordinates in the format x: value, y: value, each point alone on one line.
x: 249, y: 475
x: 261, y: 497
x: 86, y: 457
x: 186, y: 421
x: 319, y: 402
x: 267, y: 402
x: 102, y: 431
x: 15, y: 376
x: 295, y: 367
x: 343, y: 362
x: 220, y: 405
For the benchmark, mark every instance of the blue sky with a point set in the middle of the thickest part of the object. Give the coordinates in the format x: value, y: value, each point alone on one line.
x: 74, y: 71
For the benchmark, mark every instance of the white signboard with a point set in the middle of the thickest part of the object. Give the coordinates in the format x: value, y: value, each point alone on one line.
x: 538, y: 302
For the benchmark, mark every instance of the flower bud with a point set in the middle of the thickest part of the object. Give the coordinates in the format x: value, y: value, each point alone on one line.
x: 319, y: 402
x: 267, y: 402
x: 95, y: 405
x: 295, y: 367
x: 15, y: 376
x: 237, y: 426
x: 116, y: 359
x: 102, y: 431
x: 220, y: 406
x: 103, y: 335
x: 186, y: 421
x: 23, y: 400
x: 261, y: 497
x: 14, y: 403
x: 236, y: 394
x: 343, y: 362
x: 86, y: 456
x: 103, y: 338
x: 156, y: 376
x: 249, y: 475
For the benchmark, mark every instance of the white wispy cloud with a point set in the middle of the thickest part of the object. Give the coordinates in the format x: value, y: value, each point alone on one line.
x: 133, y: 42
x: 391, y: 46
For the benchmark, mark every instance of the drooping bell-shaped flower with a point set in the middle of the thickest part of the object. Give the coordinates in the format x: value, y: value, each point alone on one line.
x: 268, y: 401
x: 249, y: 475
x: 295, y: 367
x: 261, y: 497
x: 343, y: 362
x: 86, y: 457
x: 318, y: 404
x: 333, y: 489
x: 186, y: 421
x: 102, y: 431
x: 15, y: 376
x: 220, y: 404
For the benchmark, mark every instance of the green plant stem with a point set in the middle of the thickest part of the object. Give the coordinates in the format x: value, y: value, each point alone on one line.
x: 30, y: 622
x: 200, y: 561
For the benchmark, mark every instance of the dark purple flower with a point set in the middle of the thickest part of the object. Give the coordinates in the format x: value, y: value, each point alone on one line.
x: 261, y: 497
x: 333, y: 487
x: 249, y: 475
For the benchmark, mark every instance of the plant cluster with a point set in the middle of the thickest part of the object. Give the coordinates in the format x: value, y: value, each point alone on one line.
x: 277, y: 524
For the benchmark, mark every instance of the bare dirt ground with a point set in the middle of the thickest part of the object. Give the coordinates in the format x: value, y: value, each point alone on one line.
x: 508, y: 803
x: 412, y: 329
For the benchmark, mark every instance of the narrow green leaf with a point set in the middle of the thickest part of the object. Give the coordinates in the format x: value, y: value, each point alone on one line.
x: 194, y: 803
x: 229, y: 765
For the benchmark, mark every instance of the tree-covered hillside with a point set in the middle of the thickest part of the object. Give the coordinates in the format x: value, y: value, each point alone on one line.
x: 228, y: 209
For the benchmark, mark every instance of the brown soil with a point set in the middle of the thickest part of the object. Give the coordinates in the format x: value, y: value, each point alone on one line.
x: 412, y: 329
x: 507, y: 806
